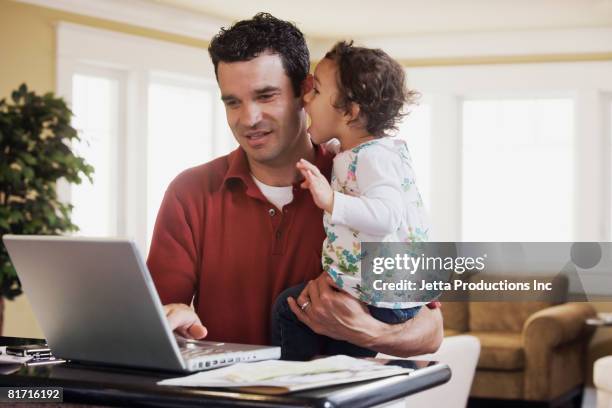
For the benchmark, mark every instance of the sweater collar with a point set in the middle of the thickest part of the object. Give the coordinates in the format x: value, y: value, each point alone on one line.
x: 239, y: 170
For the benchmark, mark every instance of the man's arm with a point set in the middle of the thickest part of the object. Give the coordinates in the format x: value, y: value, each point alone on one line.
x: 338, y: 315
x: 173, y: 255
x: 421, y: 335
x: 173, y: 263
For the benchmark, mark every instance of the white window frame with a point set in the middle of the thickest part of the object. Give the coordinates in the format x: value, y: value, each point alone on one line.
x: 607, y: 164
x: 135, y: 60
x: 216, y: 128
x: 586, y: 82
x: 423, y: 100
x: 207, y: 84
x: 118, y: 163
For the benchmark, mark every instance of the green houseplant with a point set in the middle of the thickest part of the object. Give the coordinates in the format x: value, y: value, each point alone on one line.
x: 35, y: 138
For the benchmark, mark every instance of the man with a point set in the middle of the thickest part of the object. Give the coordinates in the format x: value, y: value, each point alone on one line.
x: 235, y: 232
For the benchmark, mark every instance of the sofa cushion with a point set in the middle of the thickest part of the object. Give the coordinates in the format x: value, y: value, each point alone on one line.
x: 498, y: 385
x: 455, y: 316
x: 451, y: 332
x: 502, y: 316
x: 500, y: 351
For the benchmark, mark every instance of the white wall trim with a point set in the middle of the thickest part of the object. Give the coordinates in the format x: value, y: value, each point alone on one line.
x: 142, y: 14
x: 448, y: 45
x: 497, y: 44
x: 125, y: 51
x: 607, y: 162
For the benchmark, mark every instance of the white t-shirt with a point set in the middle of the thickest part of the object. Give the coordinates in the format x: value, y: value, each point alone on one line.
x: 279, y: 196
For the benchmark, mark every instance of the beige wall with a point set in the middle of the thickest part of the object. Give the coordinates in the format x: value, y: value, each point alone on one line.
x: 27, y: 52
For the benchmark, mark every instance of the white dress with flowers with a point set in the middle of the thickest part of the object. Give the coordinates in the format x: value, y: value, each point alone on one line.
x: 375, y: 200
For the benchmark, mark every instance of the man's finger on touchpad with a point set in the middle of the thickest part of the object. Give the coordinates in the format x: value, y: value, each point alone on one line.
x: 197, y: 331
x: 183, y: 332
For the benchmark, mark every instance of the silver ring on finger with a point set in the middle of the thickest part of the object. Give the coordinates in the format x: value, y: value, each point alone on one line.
x: 305, y: 305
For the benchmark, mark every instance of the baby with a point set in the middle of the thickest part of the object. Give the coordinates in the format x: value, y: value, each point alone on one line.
x: 357, y: 98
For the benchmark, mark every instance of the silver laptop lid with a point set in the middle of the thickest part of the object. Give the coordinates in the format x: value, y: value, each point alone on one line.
x: 90, y: 302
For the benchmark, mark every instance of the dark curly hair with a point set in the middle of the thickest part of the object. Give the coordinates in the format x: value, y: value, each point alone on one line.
x: 375, y: 82
x: 248, y: 39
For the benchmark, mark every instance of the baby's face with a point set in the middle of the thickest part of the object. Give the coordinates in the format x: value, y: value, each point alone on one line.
x: 326, y: 120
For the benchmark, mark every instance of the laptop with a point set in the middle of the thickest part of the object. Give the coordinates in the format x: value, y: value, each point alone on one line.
x: 96, y: 303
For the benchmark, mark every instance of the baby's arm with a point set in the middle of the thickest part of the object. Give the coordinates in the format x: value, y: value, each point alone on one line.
x: 379, y: 209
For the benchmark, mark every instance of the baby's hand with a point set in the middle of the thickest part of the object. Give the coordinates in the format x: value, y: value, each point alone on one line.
x: 321, y: 191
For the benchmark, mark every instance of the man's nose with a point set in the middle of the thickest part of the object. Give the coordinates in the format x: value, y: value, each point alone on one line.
x: 250, y: 114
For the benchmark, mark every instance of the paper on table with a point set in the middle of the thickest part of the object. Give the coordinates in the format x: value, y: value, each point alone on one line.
x: 278, y: 368
x: 286, y: 376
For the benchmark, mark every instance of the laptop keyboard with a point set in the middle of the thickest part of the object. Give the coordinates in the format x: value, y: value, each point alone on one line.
x: 201, y: 352
x: 212, y: 353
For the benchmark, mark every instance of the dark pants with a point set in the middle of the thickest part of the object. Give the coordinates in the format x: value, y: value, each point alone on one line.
x: 299, y: 342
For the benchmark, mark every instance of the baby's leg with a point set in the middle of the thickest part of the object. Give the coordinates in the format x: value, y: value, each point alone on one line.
x: 297, y: 341
x: 333, y: 347
x: 393, y: 316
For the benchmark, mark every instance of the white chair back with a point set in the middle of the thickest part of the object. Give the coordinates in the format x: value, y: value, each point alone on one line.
x: 461, y: 354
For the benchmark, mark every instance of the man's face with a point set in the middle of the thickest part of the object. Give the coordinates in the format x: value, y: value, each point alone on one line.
x: 264, y: 114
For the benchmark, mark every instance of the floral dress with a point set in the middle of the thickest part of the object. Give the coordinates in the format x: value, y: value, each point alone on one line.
x: 375, y: 200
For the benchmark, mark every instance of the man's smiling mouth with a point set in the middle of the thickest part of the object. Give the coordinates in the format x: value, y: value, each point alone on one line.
x: 257, y: 135
x: 258, y: 138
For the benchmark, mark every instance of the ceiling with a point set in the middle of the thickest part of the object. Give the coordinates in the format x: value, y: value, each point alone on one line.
x: 344, y: 18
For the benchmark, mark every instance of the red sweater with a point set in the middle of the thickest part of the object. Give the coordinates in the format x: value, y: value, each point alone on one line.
x: 218, y: 241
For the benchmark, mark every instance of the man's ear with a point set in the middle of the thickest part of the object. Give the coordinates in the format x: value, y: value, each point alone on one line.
x: 307, y: 86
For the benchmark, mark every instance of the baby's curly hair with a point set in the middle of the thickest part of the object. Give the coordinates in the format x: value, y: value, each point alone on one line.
x: 247, y: 39
x: 375, y: 82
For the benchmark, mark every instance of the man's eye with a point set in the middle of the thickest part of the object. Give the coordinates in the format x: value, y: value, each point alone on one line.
x: 231, y: 104
x: 265, y: 97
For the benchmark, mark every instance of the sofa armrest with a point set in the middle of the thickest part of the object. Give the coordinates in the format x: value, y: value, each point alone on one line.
x: 557, y: 325
x: 543, y: 332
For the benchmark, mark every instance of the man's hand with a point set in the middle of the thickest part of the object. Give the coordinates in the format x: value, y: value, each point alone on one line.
x: 319, y: 187
x: 333, y: 313
x: 184, y: 320
x: 338, y: 315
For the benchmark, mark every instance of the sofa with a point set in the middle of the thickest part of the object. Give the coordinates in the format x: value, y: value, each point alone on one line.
x: 530, y: 351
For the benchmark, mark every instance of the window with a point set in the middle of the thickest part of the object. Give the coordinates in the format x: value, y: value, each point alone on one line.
x: 517, y: 169
x: 96, y: 117
x: 609, y: 161
x: 155, y: 113
x: 415, y: 129
x: 181, y: 133
x: 525, y: 166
